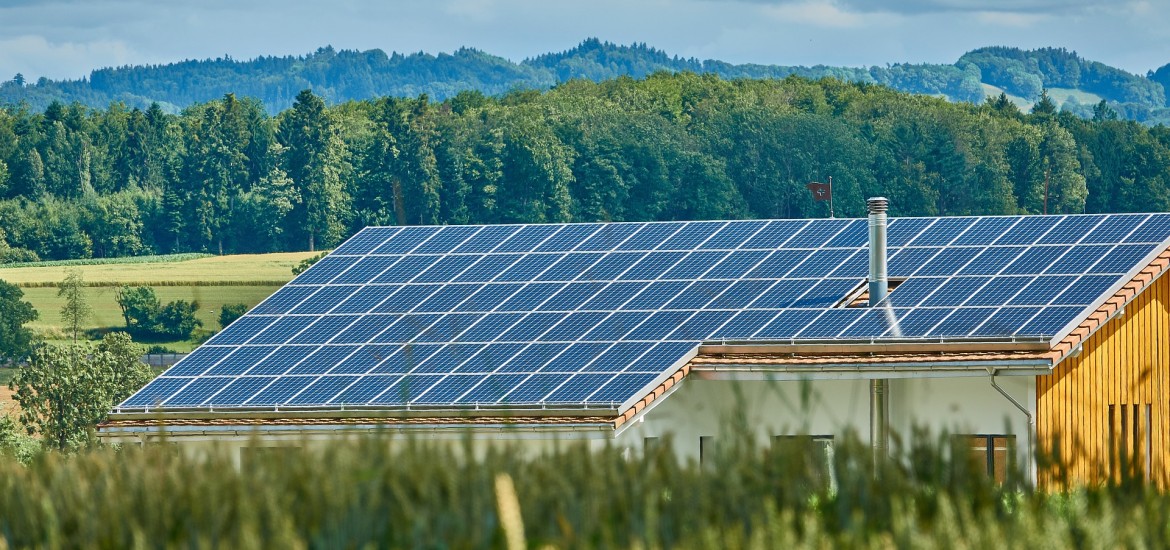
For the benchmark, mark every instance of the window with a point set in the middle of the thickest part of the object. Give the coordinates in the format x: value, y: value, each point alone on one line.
x: 1131, y: 441
x: 650, y: 445
x: 706, y: 451
x: 995, y: 454
x: 811, y: 453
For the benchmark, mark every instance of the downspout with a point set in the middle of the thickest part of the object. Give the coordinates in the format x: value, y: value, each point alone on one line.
x: 879, y: 390
x: 1028, y: 415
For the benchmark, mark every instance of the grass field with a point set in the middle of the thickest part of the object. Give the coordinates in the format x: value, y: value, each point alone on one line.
x: 213, y: 282
x: 244, y: 269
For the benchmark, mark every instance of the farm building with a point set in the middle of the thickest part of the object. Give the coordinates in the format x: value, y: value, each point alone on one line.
x: 1012, y: 332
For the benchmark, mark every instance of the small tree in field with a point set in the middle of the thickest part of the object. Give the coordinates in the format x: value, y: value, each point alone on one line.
x: 75, y: 311
x: 177, y: 319
x: 64, y: 391
x: 140, y: 307
x: 230, y: 312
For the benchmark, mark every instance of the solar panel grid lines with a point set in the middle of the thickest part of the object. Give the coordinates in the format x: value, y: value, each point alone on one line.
x: 694, y: 281
x: 294, y: 395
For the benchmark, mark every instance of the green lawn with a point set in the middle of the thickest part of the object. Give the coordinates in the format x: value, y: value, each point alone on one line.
x: 213, y: 282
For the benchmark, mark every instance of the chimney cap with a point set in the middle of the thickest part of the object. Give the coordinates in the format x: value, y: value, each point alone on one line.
x: 877, y: 205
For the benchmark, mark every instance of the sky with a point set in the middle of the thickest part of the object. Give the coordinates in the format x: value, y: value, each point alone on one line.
x: 66, y: 39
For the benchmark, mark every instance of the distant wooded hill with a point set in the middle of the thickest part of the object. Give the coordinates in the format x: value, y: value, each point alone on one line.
x: 1075, y: 84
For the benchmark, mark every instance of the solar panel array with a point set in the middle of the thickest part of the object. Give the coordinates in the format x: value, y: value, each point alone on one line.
x: 593, y: 314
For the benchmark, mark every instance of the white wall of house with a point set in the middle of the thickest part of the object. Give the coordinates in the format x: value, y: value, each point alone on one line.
x: 702, y: 408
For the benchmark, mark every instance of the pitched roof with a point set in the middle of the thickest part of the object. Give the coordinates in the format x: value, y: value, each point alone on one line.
x: 598, y: 316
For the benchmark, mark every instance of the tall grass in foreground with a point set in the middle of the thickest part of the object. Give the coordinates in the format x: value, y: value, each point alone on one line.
x: 377, y: 493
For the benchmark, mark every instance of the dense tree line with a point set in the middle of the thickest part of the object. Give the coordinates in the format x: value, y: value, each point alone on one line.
x: 346, y: 75
x: 223, y: 176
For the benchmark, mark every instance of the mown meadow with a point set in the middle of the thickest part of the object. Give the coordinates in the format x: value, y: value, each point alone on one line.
x: 211, y: 280
x: 372, y: 492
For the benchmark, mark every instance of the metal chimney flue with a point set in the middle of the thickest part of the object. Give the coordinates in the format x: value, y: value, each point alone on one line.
x: 878, y: 284
x: 879, y: 390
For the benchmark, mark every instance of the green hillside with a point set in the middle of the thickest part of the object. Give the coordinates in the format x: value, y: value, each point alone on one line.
x: 345, y: 75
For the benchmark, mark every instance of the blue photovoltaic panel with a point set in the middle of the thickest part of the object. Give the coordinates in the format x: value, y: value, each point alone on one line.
x: 650, y: 236
x: 691, y: 236
x: 916, y: 323
x: 406, y: 240
x: 776, y: 234
x: 324, y: 300
x: 199, y: 361
x: 527, y: 238
x: 815, y: 235
x: 947, y: 262
x: 609, y: 236
x: 284, y: 300
x: 405, y: 269
x: 614, y: 295
x: 487, y: 268
x: 1029, y: 230
x: 986, y: 231
x: 914, y: 291
x: 568, y: 238
x: 943, y: 232
x: 366, y: 241
x: 366, y: 269
x: 1036, y: 256
x: 653, y: 265
x: 1078, y: 259
x: 1006, y: 321
x: 323, y: 330
x: 736, y: 264
x: 1071, y: 229
x: 446, y: 269
x: 156, y: 391
x: 446, y: 239
x: 488, y: 239
x: 591, y: 314
x: 366, y: 298
x: 854, y: 235
x: 1114, y: 228
x: 955, y: 291
x: 903, y: 230
x: 1122, y: 258
x: 570, y: 267
x: 733, y: 235
x: 1154, y: 230
x: 283, y: 359
x: 322, y: 360
x: 325, y: 270
x: 990, y: 261
x: 365, y: 389
x: 611, y: 266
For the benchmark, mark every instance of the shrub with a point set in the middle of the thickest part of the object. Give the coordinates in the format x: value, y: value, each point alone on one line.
x: 177, y: 319
x: 231, y: 312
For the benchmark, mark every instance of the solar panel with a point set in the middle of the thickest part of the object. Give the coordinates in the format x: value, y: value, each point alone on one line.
x: 590, y: 314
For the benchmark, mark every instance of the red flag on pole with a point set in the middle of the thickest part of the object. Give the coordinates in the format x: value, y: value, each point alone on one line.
x: 821, y: 191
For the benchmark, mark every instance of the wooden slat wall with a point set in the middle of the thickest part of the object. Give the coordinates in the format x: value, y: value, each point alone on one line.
x: 1125, y: 363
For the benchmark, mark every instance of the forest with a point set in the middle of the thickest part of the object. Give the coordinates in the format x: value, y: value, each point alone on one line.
x: 345, y: 75
x: 225, y: 177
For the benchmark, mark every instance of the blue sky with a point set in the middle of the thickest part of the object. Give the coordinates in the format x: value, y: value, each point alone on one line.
x: 68, y: 38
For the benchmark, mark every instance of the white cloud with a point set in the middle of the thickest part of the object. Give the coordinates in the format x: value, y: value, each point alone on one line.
x: 34, y: 56
x: 816, y: 12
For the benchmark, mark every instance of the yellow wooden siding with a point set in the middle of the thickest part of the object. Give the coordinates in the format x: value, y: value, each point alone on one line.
x: 1126, y: 365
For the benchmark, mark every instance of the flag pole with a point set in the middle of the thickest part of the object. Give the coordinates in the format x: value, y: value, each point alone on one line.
x: 830, y: 196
